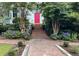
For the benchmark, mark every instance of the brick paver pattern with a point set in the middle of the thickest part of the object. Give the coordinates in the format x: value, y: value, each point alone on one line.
x: 41, y: 45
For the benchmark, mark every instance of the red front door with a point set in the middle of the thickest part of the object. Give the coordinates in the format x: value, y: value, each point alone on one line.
x: 37, y: 18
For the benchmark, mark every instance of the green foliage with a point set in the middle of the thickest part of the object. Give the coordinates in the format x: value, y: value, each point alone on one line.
x: 26, y: 35
x: 20, y: 44
x: 53, y: 13
x: 32, y: 26
x: 74, y: 49
x: 65, y: 36
x: 69, y: 36
x: 16, y: 23
x: 12, y: 27
x: 74, y: 15
x: 66, y: 13
x: 11, y: 53
x: 74, y: 36
x: 67, y: 24
x: 75, y: 6
x: 12, y: 34
x: 54, y: 36
x: 27, y: 23
x: 3, y: 28
x: 47, y: 27
x: 15, y: 34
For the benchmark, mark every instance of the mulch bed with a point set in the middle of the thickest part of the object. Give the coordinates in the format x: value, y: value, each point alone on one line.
x: 21, y: 50
x: 69, y: 50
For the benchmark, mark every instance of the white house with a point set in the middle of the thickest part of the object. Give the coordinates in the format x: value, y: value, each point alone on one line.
x: 30, y: 16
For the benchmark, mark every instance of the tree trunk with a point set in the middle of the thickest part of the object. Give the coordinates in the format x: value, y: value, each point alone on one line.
x: 22, y: 21
x: 22, y: 24
x: 56, y: 27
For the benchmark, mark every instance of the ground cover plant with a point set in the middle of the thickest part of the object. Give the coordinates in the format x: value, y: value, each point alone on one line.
x: 4, y: 49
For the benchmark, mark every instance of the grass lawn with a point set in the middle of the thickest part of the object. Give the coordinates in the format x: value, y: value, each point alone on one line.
x: 4, y: 49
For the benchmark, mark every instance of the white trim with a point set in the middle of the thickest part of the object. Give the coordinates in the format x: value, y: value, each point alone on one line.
x: 64, y: 51
x: 25, y: 52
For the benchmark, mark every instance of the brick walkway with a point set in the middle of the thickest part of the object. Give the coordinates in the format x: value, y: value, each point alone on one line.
x: 41, y: 45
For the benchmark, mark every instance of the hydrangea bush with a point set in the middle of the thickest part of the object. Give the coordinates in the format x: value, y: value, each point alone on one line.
x: 69, y: 36
x: 12, y: 34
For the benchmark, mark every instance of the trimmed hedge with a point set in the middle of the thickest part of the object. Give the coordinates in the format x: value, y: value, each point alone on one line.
x: 3, y: 28
x: 12, y: 34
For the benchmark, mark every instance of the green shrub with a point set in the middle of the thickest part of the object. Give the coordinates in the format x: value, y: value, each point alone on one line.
x: 69, y: 36
x: 11, y: 53
x: 66, y: 36
x: 75, y: 49
x: 32, y: 27
x: 78, y: 36
x: 20, y: 44
x: 6, y: 27
x: 16, y: 23
x: 3, y: 28
x: 12, y: 34
x: 66, y: 44
x: 26, y: 35
x: 12, y: 27
x: 74, y: 36
x: 54, y: 36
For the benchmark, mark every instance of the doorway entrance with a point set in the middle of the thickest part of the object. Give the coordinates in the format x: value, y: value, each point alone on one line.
x: 37, y: 20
